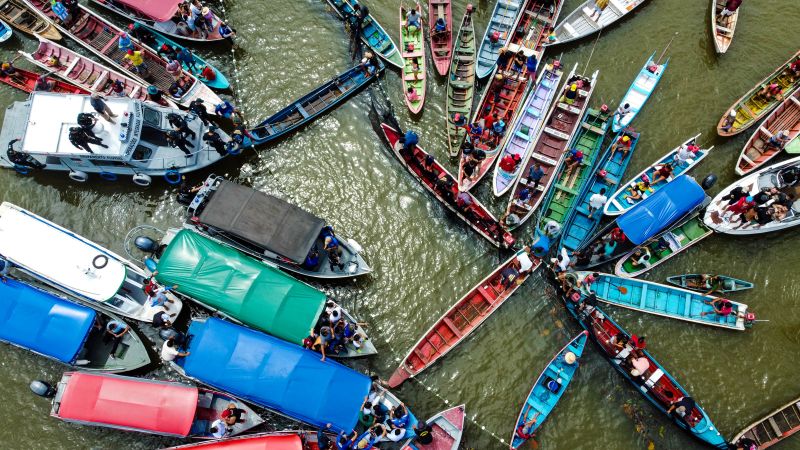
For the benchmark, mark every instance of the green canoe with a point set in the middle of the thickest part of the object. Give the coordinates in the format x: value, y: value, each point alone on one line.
x: 694, y: 281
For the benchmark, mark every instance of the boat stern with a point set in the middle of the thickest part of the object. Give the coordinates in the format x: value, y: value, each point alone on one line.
x: 400, y: 375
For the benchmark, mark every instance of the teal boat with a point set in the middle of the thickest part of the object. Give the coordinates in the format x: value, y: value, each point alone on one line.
x: 661, y: 300
x: 640, y: 90
x: 698, y: 282
x: 372, y: 33
x: 220, y: 82
x: 549, y: 388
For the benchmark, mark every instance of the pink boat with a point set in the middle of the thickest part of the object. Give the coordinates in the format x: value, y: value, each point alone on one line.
x: 441, y: 42
x: 162, y: 16
x: 447, y: 427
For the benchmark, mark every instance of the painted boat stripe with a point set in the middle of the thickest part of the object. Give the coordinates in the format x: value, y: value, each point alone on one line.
x: 643, y: 298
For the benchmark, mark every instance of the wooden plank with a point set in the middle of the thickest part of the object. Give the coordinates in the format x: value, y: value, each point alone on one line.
x: 643, y: 297
x: 774, y: 426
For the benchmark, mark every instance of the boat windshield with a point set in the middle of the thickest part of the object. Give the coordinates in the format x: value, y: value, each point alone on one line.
x: 151, y: 117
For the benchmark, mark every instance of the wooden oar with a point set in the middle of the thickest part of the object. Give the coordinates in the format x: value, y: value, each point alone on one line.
x: 665, y: 48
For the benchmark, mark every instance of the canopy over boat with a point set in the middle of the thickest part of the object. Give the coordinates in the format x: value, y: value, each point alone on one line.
x: 42, y: 322
x: 274, y: 374
x: 248, y: 290
x: 661, y: 209
x: 263, y: 220
x: 129, y: 403
x: 158, y: 10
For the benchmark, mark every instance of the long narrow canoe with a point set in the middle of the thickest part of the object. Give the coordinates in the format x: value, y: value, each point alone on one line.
x: 509, y: 92
x: 219, y: 82
x: 273, y: 440
x: 5, y: 31
x: 441, y: 42
x: 694, y: 282
x: 412, y: 49
x: 569, y: 181
x: 542, y: 399
x: 159, y: 16
x: 584, y: 21
x: 722, y: 28
x: 28, y: 20
x: 474, y: 214
x: 640, y: 90
x: 461, y: 84
x: 85, y: 73
x: 534, y: 24
x: 29, y: 79
x: 525, y: 130
x: 312, y: 106
x: 661, y: 300
x: 757, y: 152
x: 751, y: 107
x: 101, y: 37
x: 663, y: 247
x: 501, y: 25
x: 372, y: 33
x: 466, y: 315
x: 448, y: 426
x: 775, y: 427
x: 579, y: 225
x: 550, y: 149
x: 655, y: 384
x: 619, y: 202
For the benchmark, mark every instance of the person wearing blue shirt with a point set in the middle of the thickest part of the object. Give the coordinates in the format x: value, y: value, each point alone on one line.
x: 400, y: 416
x: 115, y: 329
x: 411, y: 140
x: 370, y: 437
x: 186, y: 58
x: 124, y: 42
x: 440, y: 25
x: 535, y: 174
x: 4, y: 268
x: 224, y: 109
x: 346, y: 442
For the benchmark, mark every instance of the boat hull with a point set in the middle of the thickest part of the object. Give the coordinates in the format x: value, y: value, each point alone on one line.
x: 638, y: 93
x: 460, y: 84
x: 412, y: 49
x: 372, y: 34
x: 693, y: 281
x: 580, y: 22
x: 441, y: 43
x: 757, y: 151
x: 722, y: 28
x: 503, y: 18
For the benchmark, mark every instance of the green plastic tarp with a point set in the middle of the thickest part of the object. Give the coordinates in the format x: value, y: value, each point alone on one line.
x: 239, y: 286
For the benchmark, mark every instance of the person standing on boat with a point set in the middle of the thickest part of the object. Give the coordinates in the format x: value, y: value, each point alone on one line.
x: 215, y: 141
x: 597, y: 202
x: 80, y: 139
x: 124, y: 43
x: 136, y: 59
x: 177, y: 140
x: 599, y: 6
x: 730, y: 8
x: 115, y: 329
x: 198, y: 107
x: 186, y: 57
x: 180, y: 125
x: 99, y: 105
x: 535, y: 175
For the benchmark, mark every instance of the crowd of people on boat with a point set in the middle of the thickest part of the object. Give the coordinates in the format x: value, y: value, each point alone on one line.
x: 770, y: 204
x: 334, y: 333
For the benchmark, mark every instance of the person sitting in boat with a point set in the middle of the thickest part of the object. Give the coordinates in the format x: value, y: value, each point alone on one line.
x: 574, y: 158
x: 640, y: 365
x: 638, y: 190
x: 399, y: 416
x: 570, y: 94
x: 440, y: 26
x: 518, y: 63
x: 769, y: 92
x: 510, y: 162
x: 641, y: 257
x: 729, y: 121
x: 21, y: 158
x: 186, y: 57
x: 7, y: 70
x: 42, y: 84
x: 498, y: 129
x: 619, y: 341
x: 226, y: 32
x: 586, y: 283
x: 370, y: 437
x: 524, y: 260
x: 730, y: 8
x: 331, y: 246
x: 219, y: 429
x: 508, y: 276
x: 158, y: 297
x: 475, y: 132
x: 412, y: 20
x: 686, y: 154
x: 652, y: 67
x: 721, y: 307
x: 789, y: 176
x: 681, y: 407
x: 428, y: 167
x: 464, y: 200
x: 598, y: 8
x: 738, y: 209
x: 369, y: 64
x: 115, y: 329
x: 525, y: 430
x: 622, y: 111
x: 779, y: 140
x: 793, y: 70
x: 663, y: 173
x: 412, y: 95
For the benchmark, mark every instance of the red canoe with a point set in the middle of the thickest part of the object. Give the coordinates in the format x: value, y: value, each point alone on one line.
x: 474, y: 214
x: 534, y: 24
x: 442, y: 42
x: 279, y: 440
x: 29, y: 83
x: 448, y: 426
x: 459, y: 321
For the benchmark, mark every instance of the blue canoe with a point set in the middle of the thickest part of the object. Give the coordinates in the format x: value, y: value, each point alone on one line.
x: 541, y: 400
x: 663, y: 300
x: 311, y: 106
x: 640, y: 90
x: 578, y: 227
x: 5, y: 31
x: 655, y: 383
x: 372, y: 33
x: 221, y: 82
x: 274, y: 374
x: 503, y: 19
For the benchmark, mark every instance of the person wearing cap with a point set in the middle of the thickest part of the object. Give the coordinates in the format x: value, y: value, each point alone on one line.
x: 233, y: 415
x: 8, y: 70
x: 729, y: 122
x: 224, y: 109
x: 510, y: 162
x: 570, y: 94
x: 198, y: 107
x: 575, y: 158
x: 115, y: 329
x: 411, y: 140
x: 136, y: 58
x: 178, y: 122
x: 125, y: 43
x: 686, y: 154
x: 226, y: 32
x: 739, y: 208
x: 624, y: 144
x: 177, y: 140
x: 167, y: 52
x: 215, y: 141
x: 162, y: 320
x: 525, y: 430
x: 459, y: 120
x: 779, y: 140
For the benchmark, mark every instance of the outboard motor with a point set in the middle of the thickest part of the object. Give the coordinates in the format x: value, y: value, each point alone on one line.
x: 145, y: 244
x: 42, y: 389
x: 709, y: 181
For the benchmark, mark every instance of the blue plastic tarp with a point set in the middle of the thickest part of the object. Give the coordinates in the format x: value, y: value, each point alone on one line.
x: 42, y: 322
x: 275, y: 374
x: 661, y: 209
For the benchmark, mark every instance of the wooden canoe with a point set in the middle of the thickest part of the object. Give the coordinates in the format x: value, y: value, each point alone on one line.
x: 28, y: 20
x: 579, y: 225
x: 29, y: 83
x: 533, y: 25
x: 541, y: 399
x: 474, y: 214
x: 277, y: 440
x: 448, y: 426
x: 660, y: 299
x: 777, y: 426
x: 579, y: 23
x: 751, y: 107
x: 655, y: 383
x: 618, y: 202
x: 569, y: 181
x: 757, y: 152
x: 101, y: 38
x: 695, y: 282
x: 441, y: 42
x: 83, y: 72
x: 722, y: 28
x: 5, y: 31
x: 464, y: 317
x: 390, y: 402
x: 501, y: 23
x: 550, y: 149
x: 525, y: 130
x: 412, y: 49
x: 640, y: 90
x: 460, y: 84
x: 372, y: 33
x: 677, y: 239
x: 139, y: 11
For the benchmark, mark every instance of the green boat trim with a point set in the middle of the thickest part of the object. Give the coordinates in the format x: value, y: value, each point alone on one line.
x: 691, y: 281
x: 460, y: 84
x: 680, y: 237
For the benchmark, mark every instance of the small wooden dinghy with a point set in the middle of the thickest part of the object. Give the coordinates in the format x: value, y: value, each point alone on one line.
x: 752, y: 106
x: 533, y: 27
x: 722, y: 28
x: 777, y: 426
x: 758, y: 151
x: 412, y: 49
x: 548, y: 388
x: 584, y: 20
x: 448, y: 426
x: 640, y: 90
x: 372, y: 33
x: 161, y: 16
x: 28, y: 20
x: 498, y: 31
x: 27, y: 82
x: 461, y: 84
x: 704, y: 283
x: 464, y: 317
x: 441, y: 41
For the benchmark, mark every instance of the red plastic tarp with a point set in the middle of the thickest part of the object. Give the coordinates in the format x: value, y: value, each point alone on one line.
x: 158, y: 10
x: 129, y: 403
x: 285, y: 442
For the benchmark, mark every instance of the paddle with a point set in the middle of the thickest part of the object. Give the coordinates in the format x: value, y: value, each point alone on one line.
x: 665, y: 48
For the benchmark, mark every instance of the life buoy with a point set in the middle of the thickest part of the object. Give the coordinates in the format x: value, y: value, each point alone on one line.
x: 172, y: 176
x: 78, y: 175
x: 234, y: 150
x: 141, y: 179
x: 22, y: 170
x: 108, y: 176
x: 103, y: 261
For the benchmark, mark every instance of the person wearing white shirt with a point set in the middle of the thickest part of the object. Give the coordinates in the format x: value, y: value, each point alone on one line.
x: 524, y: 260
x: 169, y: 351
x: 597, y: 201
x: 219, y: 429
